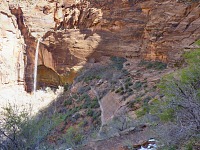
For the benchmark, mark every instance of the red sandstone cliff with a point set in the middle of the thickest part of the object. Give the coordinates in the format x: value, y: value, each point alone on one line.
x: 75, y: 32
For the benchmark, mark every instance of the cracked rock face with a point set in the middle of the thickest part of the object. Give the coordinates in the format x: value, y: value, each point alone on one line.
x: 75, y: 32
x: 12, y: 61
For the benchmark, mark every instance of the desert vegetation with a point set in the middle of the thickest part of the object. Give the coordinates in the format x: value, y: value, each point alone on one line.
x: 181, y: 102
x: 170, y: 109
x: 21, y: 131
x: 178, y: 107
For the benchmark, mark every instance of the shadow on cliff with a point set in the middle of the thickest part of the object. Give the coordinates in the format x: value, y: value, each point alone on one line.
x: 116, y: 37
x: 113, y: 36
x: 121, y: 30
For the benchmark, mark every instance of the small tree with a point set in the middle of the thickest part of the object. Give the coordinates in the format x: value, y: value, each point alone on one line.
x: 182, y: 92
x: 18, y: 130
x: 11, y: 123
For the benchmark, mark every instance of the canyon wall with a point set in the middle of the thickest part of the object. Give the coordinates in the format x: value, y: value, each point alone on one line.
x: 78, y: 31
x: 12, y: 49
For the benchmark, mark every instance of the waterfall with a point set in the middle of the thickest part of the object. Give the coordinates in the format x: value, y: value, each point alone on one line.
x: 35, y: 69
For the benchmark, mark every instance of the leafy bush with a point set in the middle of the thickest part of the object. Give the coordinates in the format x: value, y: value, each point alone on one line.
x: 12, y: 123
x: 90, y: 112
x: 122, y: 93
x: 95, y: 115
x: 128, y: 80
x: 119, y: 90
x: 92, y: 77
x: 127, y: 84
x: 118, y: 62
x: 66, y: 87
x: 153, y: 65
x: 167, y: 115
x: 19, y: 131
x: 182, y: 92
x: 138, y: 85
x: 83, y: 90
x: 95, y: 103
x: 131, y: 104
x: 73, y: 136
x: 68, y: 102
x: 85, y: 97
x: 83, y: 123
x: 141, y: 112
x: 92, y: 73
x: 182, y: 96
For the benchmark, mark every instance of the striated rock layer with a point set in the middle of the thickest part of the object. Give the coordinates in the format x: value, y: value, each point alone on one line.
x: 78, y: 31
x: 150, y: 29
x: 12, y: 63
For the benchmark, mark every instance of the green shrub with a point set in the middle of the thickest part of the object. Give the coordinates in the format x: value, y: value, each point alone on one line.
x: 84, y: 96
x: 125, y: 72
x: 141, y: 112
x: 83, y: 90
x: 126, y: 86
x: 145, y: 85
x: 75, y: 96
x: 90, y: 112
x: 92, y: 77
x: 153, y: 65
x: 182, y: 92
x: 122, y: 93
x: 130, y: 84
x: 160, y: 65
x: 143, y: 63
x: 68, y: 102
x: 95, y: 103
x: 87, y: 98
x: 23, y: 132
x: 83, y: 123
x: 73, y: 136
x: 113, y: 90
x: 167, y: 115
x: 88, y: 103
x: 113, y: 82
x: 138, y: 85
x: 128, y: 80
x: 146, y: 99
x: 130, y: 90
x: 118, y: 90
x: 66, y: 87
x: 96, y: 115
x: 131, y: 104
x: 118, y: 62
x: 189, y: 146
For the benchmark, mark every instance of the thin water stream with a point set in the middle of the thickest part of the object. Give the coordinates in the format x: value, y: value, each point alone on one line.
x: 35, y: 68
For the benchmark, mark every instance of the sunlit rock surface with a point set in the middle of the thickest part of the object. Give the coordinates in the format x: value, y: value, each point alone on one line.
x: 12, y: 50
x: 75, y: 32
